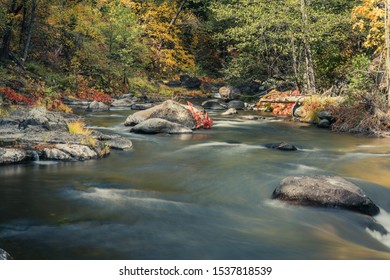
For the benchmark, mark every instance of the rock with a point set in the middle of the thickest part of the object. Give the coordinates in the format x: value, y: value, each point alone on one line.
x: 283, y: 146
x: 237, y: 104
x: 36, y: 117
x: 55, y: 154
x: 96, y: 106
x: 70, y: 152
x: 325, y: 115
x: 325, y: 191
x: 168, y: 110
x: 229, y: 92
x: 4, y: 255
x: 123, y: 102
x: 120, y: 143
x: 324, y: 124
x: 190, y: 82
x: 141, y: 106
x: 138, y: 117
x: 11, y: 155
x: 230, y: 112
x: 214, y: 104
x: 298, y: 111
x: 158, y: 125
x: 249, y: 88
x: 173, y: 84
x: 75, y: 102
x: 31, y: 132
x: 174, y: 112
x: 250, y: 117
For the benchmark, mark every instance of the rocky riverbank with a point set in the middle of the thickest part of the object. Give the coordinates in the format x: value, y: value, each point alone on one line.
x: 30, y: 134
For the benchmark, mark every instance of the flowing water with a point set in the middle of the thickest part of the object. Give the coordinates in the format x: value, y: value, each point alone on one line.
x: 200, y: 196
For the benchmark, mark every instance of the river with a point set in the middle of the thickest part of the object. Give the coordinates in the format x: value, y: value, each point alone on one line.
x: 200, y: 196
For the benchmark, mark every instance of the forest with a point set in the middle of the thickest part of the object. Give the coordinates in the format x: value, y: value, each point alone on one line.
x: 103, y: 48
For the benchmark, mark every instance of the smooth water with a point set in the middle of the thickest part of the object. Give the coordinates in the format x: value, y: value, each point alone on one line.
x: 200, y: 196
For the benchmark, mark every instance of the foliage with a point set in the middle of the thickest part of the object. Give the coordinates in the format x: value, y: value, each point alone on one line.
x: 202, y: 119
x: 264, y: 39
x: 16, y: 98
x: 360, y: 79
x: 164, y: 40
x: 279, y: 103
x: 368, y: 19
x: 79, y: 128
x: 85, y: 92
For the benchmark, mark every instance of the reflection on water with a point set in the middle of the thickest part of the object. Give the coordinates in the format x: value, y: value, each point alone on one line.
x: 200, y: 196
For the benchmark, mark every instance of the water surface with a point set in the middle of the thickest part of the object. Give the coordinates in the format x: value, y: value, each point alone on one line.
x: 200, y: 196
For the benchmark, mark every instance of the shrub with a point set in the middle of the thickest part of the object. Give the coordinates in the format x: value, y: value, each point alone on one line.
x: 79, y: 128
x: 202, y: 119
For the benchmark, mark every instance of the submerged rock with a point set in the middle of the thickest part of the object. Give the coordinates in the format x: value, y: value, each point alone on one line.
x: 123, y: 102
x: 236, y: 104
x: 230, y: 112
x: 120, y: 143
x: 325, y: 191
x: 4, y: 255
x: 283, y: 146
x: 157, y: 125
x: 215, y: 104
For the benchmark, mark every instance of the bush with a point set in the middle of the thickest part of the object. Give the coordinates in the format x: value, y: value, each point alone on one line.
x: 365, y: 114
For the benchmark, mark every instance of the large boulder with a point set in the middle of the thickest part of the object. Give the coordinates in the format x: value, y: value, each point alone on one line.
x: 141, y: 106
x: 158, y: 125
x: 4, y: 255
x: 169, y: 110
x: 325, y: 191
x: 139, y: 117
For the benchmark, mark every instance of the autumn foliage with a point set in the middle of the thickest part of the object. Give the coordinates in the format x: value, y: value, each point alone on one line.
x: 85, y: 92
x: 33, y: 98
x: 202, y: 119
x: 278, y: 102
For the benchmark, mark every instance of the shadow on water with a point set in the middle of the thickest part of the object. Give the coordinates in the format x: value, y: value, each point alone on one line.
x: 200, y: 196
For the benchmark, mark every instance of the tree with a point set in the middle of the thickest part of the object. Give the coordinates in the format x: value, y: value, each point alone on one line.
x: 298, y: 41
x: 161, y: 22
x: 372, y: 19
x: 14, y: 7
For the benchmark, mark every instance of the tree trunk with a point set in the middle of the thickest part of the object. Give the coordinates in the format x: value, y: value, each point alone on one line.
x: 23, y: 26
x: 30, y: 31
x: 7, y: 37
x: 309, y: 75
x: 173, y: 20
x: 295, y: 64
x: 387, y: 47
